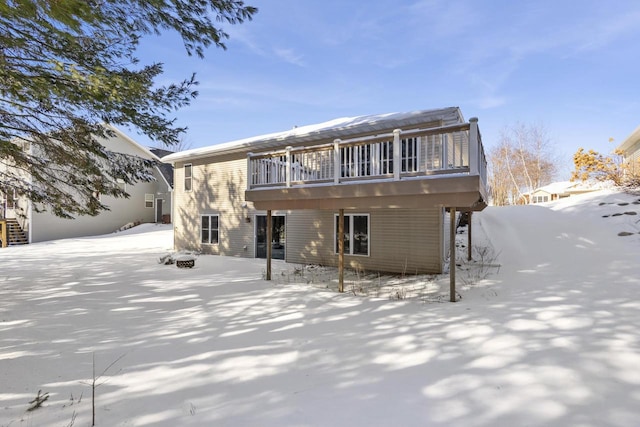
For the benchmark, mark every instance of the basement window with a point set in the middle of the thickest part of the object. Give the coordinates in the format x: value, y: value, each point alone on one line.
x: 356, y: 234
x: 210, y: 229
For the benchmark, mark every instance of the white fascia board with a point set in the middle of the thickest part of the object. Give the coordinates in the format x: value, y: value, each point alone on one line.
x: 631, y: 139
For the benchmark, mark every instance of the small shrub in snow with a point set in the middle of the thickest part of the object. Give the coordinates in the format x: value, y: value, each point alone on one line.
x: 483, y: 264
x: 38, y: 401
x: 399, y: 293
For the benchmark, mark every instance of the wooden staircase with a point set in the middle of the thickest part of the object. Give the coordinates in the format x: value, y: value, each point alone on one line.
x: 15, y: 235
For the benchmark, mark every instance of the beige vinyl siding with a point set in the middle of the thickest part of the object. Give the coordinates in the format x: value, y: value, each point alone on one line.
x: 400, y: 240
x: 633, y: 158
x: 217, y: 188
x: 46, y: 226
x: 310, y: 237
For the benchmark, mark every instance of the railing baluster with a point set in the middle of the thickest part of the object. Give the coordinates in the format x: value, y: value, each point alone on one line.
x: 336, y: 161
x: 288, y: 165
x: 397, y: 164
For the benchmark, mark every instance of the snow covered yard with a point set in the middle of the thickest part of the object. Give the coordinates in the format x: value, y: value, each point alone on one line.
x: 552, y: 338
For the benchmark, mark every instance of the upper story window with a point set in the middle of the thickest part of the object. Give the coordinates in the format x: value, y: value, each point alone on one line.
x: 8, y: 197
x: 188, y: 177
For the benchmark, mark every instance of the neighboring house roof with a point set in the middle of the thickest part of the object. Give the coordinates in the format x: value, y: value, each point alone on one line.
x: 556, y: 187
x: 566, y: 188
x: 337, y: 128
x: 165, y: 169
x: 631, y: 140
x: 127, y: 138
x: 160, y: 152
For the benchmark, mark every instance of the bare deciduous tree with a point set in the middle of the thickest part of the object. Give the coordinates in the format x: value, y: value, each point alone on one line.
x: 522, y: 161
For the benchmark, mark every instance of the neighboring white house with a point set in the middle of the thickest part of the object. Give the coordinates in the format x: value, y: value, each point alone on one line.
x: 630, y: 149
x: 558, y: 190
x: 148, y: 202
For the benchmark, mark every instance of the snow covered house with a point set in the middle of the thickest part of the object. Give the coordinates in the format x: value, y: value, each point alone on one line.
x: 630, y: 149
x: 558, y: 190
x: 148, y: 202
x: 391, y: 177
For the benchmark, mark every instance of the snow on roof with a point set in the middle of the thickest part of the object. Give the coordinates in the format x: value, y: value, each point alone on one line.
x: 557, y: 187
x: 336, y: 128
x: 631, y: 139
x: 563, y: 187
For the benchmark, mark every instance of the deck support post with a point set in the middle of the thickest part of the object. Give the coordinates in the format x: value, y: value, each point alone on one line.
x: 469, y: 252
x: 452, y: 255
x: 341, y: 250
x: 269, y: 237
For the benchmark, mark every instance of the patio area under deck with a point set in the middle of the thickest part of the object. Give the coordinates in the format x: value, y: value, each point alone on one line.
x: 442, y: 167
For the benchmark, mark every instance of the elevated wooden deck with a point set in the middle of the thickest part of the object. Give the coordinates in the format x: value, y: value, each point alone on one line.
x: 439, y: 166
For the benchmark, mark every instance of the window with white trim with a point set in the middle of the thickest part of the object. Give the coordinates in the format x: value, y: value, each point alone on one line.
x: 121, y: 184
x: 9, y: 197
x: 188, y: 177
x: 210, y: 232
x: 356, y: 234
x: 540, y: 199
x: 148, y: 200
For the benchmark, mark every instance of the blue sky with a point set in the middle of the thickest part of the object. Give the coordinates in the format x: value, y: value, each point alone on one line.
x: 569, y: 66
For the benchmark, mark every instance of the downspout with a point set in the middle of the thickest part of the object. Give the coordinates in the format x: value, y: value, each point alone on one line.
x: 30, y: 204
x: 173, y: 207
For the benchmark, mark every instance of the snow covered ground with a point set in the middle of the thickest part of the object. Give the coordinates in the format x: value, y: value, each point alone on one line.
x: 551, y: 337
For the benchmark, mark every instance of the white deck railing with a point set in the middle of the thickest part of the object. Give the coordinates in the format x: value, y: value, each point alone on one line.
x: 444, y: 150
